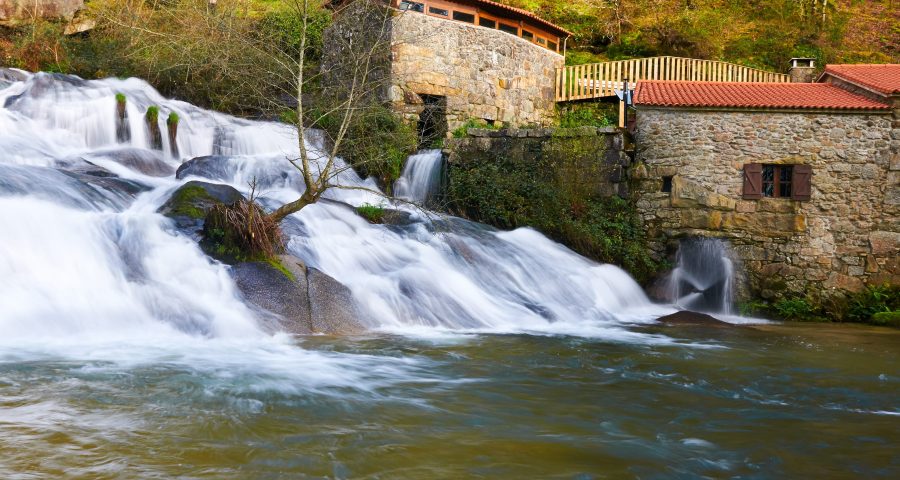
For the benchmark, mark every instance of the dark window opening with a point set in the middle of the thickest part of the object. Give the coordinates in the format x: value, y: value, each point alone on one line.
x: 542, y: 41
x: 552, y: 46
x: 776, y: 180
x: 509, y: 28
x: 667, y: 184
x: 432, y: 121
x: 484, y: 22
x: 439, y: 11
x: 464, y: 17
x: 413, y: 6
x: 527, y: 35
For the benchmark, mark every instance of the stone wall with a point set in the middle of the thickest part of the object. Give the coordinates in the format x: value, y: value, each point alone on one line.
x: 847, y: 235
x: 484, y: 74
x: 19, y: 12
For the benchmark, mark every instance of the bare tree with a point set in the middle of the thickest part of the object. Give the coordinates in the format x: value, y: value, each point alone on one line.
x: 275, y: 69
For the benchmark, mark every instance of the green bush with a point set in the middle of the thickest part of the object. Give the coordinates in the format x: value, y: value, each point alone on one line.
x: 172, y: 119
x: 794, y: 309
x: 875, y: 299
x: 886, y: 319
x: 120, y: 98
x: 550, y: 195
x: 587, y: 115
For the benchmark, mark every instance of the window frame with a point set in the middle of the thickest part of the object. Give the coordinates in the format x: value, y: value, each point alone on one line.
x: 775, y: 187
x: 465, y: 14
x: 440, y: 12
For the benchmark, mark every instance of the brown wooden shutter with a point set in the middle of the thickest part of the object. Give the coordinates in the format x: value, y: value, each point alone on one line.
x: 802, y: 183
x: 752, y: 181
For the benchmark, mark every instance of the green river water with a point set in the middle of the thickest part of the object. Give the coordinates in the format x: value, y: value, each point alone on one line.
x: 769, y: 401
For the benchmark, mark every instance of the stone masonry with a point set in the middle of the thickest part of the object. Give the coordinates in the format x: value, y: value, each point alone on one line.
x: 846, y: 236
x: 482, y: 73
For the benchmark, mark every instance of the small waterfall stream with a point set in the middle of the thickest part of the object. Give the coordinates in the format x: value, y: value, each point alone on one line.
x: 421, y: 179
x: 703, y: 276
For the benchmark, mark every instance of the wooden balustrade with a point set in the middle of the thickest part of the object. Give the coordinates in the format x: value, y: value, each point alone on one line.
x: 596, y: 80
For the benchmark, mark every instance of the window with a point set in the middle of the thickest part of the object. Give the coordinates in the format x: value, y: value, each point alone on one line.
x: 542, y: 41
x: 438, y: 11
x: 464, y: 17
x: 667, y: 184
x: 413, y: 6
x: 552, y: 46
x: 484, y: 22
x: 777, y: 181
x: 527, y: 35
x: 509, y: 28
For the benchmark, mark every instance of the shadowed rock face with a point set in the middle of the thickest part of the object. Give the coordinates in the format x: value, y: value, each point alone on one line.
x: 686, y: 318
x: 310, y: 302
x: 19, y: 12
x: 145, y: 161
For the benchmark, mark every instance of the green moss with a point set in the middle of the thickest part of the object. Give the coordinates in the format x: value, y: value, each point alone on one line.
x: 587, y: 115
x: 172, y: 119
x: 463, y: 130
x: 875, y: 299
x: 372, y: 213
x: 275, y: 263
x: 184, y: 201
x: 152, y: 114
x: 120, y: 98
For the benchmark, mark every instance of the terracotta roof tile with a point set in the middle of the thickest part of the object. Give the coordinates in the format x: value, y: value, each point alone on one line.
x: 883, y: 78
x: 815, y: 96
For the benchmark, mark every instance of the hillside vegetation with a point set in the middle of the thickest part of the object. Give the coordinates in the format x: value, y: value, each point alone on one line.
x: 757, y: 33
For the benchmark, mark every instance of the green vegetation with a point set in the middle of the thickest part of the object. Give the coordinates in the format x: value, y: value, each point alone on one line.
x: 556, y: 193
x: 152, y: 114
x: 761, y: 33
x: 587, y: 115
x: 463, y: 130
x: 172, y: 119
x: 872, y: 301
x: 876, y: 305
x: 187, y: 201
x: 120, y: 98
x: 794, y: 309
x: 241, y: 232
x: 372, y: 213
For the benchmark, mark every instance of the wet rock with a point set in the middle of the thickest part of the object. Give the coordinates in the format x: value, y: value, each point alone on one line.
x: 269, y: 289
x: 687, y: 318
x: 190, y: 203
x: 8, y: 76
x: 213, y: 167
x: 144, y: 161
x: 332, y: 307
x: 304, y: 299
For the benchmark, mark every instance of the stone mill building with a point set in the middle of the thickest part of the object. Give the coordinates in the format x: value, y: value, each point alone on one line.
x: 455, y: 60
x: 802, y: 179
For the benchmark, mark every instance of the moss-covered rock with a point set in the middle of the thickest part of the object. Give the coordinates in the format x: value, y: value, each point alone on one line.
x: 887, y: 319
x: 190, y: 203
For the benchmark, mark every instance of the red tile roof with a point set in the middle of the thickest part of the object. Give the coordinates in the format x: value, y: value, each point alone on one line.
x: 815, y: 96
x: 883, y: 78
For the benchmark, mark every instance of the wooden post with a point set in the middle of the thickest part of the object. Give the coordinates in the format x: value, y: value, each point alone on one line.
x: 622, y: 112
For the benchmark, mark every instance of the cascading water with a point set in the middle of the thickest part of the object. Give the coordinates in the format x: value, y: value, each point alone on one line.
x: 421, y: 179
x: 89, y: 252
x: 703, y: 276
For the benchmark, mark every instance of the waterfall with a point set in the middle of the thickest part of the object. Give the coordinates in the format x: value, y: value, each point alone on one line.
x: 421, y: 179
x: 703, y: 276
x: 89, y: 255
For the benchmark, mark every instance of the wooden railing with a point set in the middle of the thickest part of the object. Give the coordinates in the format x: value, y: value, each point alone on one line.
x: 595, y: 80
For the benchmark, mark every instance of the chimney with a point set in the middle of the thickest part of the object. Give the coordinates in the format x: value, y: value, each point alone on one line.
x: 803, y: 70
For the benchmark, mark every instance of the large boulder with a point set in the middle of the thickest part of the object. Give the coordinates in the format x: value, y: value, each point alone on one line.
x: 213, y: 167
x: 22, y: 12
x: 189, y: 204
x: 304, y: 299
